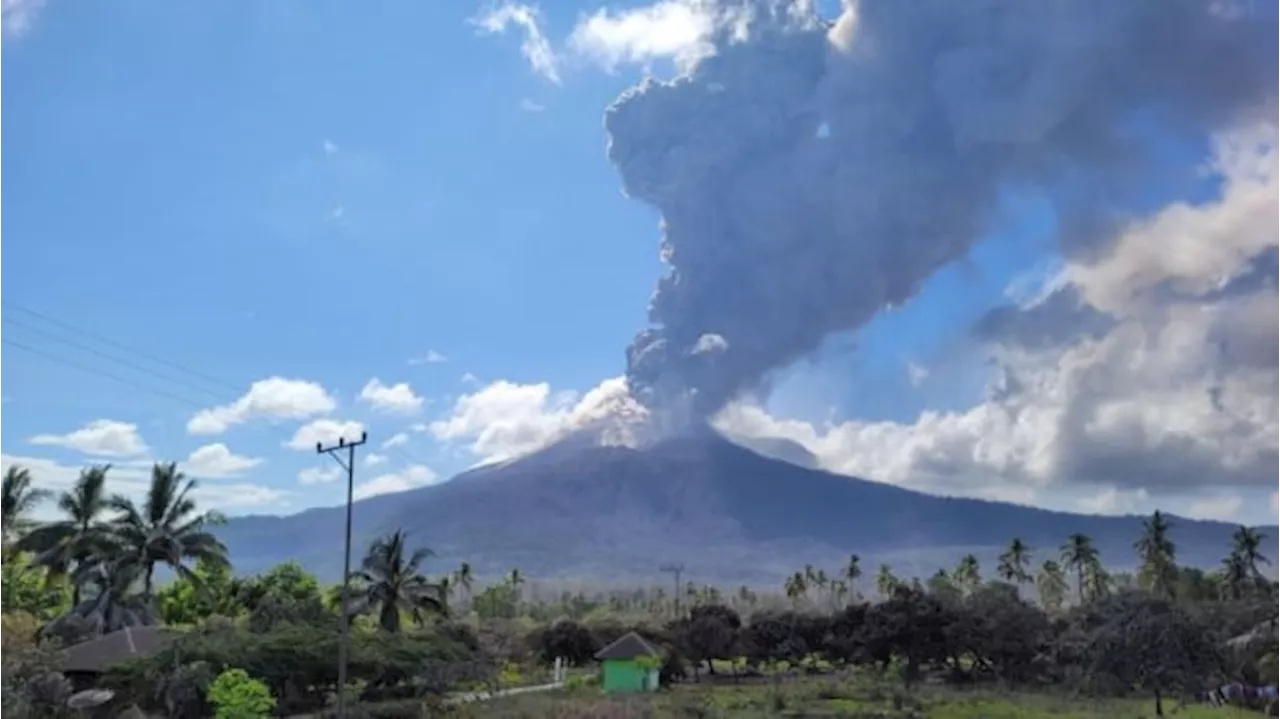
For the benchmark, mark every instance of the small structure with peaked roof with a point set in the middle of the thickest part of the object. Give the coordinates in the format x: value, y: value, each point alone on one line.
x: 629, y: 665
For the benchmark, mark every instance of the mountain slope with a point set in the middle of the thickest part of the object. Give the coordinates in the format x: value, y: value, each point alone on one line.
x: 728, y: 513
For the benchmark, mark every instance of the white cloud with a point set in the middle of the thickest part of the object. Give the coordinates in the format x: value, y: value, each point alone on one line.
x: 505, y: 420
x: 101, y: 437
x: 535, y: 48
x: 18, y: 16
x: 416, y: 475
x: 1225, y: 508
x: 324, y: 431
x: 1176, y: 391
x: 133, y: 480
x: 679, y: 30
x: 329, y: 146
x: 916, y: 373
x: 373, y: 459
x: 709, y: 343
x: 1115, y: 501
x: 399, y: 439
x: 530, y: 106
x: 320, y: 475
x: 273, y: 398
x: 431, y: 357
x: 469, y: 379
x: 396, y: 398
x: 217, y: 460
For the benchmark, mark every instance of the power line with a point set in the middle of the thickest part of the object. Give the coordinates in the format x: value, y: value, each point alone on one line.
x: 102, y: 373
x: 120, y: 345
x: 106, y: 355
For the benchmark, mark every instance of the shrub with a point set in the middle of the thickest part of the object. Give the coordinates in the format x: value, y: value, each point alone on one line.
x: 236, y: 695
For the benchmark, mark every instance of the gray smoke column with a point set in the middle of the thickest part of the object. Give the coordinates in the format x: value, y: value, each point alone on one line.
x: 810, y: 173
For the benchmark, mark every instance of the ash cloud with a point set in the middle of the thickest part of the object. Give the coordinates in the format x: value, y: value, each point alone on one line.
x: 810, y: 174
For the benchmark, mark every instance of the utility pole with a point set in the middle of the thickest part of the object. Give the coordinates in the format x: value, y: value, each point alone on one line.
x: 676, y: 570
x: 345, y: 640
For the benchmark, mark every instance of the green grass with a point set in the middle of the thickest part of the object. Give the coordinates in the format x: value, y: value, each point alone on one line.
x: 845, y: 697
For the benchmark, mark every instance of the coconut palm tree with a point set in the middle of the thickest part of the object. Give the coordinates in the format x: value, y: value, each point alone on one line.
x: 886, y: 582
x: 19, y: 499
x: 1158, y: 555
x: 852, y: 572
x: 1014, y: 561
x: 1247, y: 543
x: 166, y: 529
x: 391, y: 581
x: 80, y: 535
x: 1051, y: 586
x: 463, y: 578
x: 968, y: 574
x: 114, y: 603
x: 1079, y: 555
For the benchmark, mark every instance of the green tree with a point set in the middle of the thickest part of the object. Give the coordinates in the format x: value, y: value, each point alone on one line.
x: 19, y: 499
x: 1157, y: 555
x: 391, y: 581
x: 26, y: 589
x: 852, y: 573
x: 886, y: 582
x: 113, y: 604
x: 1014, y: 562
x: 166, y: 529
x: 1051, y: 586
x: 968, y: 574
x: 207, y: 591
x: 80, y: 535
x: 1079, y: 556
x: 236, y: 695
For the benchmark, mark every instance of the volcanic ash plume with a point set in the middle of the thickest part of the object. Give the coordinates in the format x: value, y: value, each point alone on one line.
x: 810, y: 174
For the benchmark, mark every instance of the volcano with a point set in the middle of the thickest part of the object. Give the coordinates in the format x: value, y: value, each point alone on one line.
x: 576, y: 510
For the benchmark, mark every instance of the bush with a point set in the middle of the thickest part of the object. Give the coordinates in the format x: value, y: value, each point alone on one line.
x: 236, y: 695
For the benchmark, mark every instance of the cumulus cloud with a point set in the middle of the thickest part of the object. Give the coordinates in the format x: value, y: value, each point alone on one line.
x: 916, y: 373
x: 18, y: 16
x: 324, y: 431
x: 678, y: 30
x: 504, y: 419
x: 416, y: 475
x: 217, y: 460
x: 1175, y: 392
x: 133, y: 480
x: 373, y: 459
x: 535, y: 47
x: 399, y: 439
x: 274, y: 398
x: 101, y: 437
x: 320, y: 475
x: 396, y: 398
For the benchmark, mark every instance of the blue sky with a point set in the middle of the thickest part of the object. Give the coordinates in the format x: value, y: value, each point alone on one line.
x: 328, y: 193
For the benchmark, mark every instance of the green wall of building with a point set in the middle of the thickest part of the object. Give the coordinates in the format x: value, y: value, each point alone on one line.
x: 626, y: 675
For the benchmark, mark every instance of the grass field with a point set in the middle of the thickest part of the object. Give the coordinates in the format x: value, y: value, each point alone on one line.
x: 831, y: 697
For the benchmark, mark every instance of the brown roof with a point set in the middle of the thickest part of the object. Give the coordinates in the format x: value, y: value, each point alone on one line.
x: 629, y: 646
x: 95, y: 654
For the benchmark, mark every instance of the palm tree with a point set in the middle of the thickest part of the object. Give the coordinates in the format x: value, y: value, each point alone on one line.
x: 853, y: 572
x: 19, y: 499
x: 1247, y: 543
x: 114, y: 605
x: 1158, y: 554
x: 166, y: 529
x: 1014, y: 562
x: 516, y: 580
x: 796, y: 587
x: 886, y: 582
x: 1051, y: 585
x: 968, y: 574
x: 82, y: 534
x: 1079, y: 555
x: 463, y: 578
x: 390, y: 580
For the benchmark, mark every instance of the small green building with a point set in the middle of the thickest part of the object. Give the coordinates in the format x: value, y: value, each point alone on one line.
x: 629, y: 665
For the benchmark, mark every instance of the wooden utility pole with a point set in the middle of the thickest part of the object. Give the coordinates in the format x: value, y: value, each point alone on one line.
x: 344, y: 643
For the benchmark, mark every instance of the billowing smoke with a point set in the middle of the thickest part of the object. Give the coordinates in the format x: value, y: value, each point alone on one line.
x: 810, y: 174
